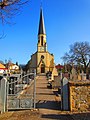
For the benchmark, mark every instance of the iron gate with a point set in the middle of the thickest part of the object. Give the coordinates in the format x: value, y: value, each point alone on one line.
x: 21, y: 92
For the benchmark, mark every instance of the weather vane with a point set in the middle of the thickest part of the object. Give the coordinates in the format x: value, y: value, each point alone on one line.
x: 41, y: 3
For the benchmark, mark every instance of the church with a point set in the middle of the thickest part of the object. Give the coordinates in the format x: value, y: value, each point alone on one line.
x: 41, y: 60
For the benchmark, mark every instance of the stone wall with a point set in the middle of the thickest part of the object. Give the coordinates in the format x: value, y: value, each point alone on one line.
x: 79, y: 95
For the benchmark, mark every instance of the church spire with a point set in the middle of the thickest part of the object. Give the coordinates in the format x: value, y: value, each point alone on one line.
x: 41, y: 24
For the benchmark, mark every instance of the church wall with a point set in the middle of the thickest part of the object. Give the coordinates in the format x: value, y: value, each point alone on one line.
x: 33, y: 62
x: 39, y: 54
x: 48, y: 60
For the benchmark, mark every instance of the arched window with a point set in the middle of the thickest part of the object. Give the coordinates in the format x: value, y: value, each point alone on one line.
x: 42, y: 40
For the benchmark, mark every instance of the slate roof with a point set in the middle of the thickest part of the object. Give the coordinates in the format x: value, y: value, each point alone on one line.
x: 41, y: 24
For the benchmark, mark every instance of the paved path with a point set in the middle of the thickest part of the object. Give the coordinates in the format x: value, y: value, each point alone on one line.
x: 45, y: 97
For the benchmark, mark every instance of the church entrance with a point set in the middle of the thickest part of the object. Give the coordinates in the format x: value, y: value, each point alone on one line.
x: 42, y: 68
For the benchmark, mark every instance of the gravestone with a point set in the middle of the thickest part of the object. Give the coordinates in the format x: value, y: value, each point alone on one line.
x: 56, y: 83
x: 73, y: 75
x: 83, y: 75
x: 54, y: 73
x: 79, y: 76
x: 64, y: 94
x: 3, y: 94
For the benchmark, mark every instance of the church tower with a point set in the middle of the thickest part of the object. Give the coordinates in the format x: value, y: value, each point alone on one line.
x: 42, y: 45
x: 41, y: 60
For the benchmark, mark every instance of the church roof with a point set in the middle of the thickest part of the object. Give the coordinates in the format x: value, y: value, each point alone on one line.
x: 41, y: 24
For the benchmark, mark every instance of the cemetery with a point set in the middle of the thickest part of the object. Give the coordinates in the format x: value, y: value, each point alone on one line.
x: 70, y: 92
x: 74, y: 89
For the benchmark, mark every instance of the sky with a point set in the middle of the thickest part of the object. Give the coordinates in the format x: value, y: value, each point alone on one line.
x: 66, y: 22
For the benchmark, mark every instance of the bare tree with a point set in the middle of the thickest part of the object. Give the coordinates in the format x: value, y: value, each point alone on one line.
x: 8, y: 8
x: 79, y: 54
x: 2, y: 35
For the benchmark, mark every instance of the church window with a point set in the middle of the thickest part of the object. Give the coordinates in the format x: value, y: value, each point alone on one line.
x: 42, y: 40
x: 42, y: 57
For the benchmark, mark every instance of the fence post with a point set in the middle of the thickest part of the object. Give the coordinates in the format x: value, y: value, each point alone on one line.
x: 34, y: 88
x: 3, y: 94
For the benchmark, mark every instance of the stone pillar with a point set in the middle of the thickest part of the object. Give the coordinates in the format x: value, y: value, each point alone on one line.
x: 64, y: 94
x: 3, y: 94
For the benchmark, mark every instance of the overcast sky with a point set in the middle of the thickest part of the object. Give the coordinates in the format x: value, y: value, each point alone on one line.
x: 66, y: 22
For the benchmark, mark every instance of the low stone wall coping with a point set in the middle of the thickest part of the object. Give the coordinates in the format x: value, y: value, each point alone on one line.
x: 79, y: 83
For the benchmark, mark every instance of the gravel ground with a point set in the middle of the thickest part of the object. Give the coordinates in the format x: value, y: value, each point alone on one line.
x: 36, y: 115
x: 48, y: 107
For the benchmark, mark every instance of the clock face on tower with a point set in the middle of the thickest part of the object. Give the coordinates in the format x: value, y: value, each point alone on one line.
x: 41, y: 48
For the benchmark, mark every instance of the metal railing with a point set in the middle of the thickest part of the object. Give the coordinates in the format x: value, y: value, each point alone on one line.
x: 18, y: 95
